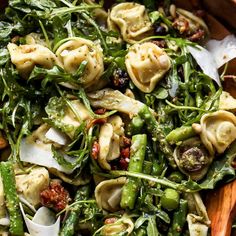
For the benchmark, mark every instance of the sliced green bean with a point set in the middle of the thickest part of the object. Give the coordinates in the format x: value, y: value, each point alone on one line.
x: 68, y: 229
x: 12, y: 200
x: 135, y: 126
x: 179, y: 219
x: 154, y: 128
x: 180, y: 134
x: 170, y: 199
x: 137, y: 155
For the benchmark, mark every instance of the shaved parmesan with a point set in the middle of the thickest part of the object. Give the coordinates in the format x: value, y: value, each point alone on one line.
x: 206, y: 62
x: 56, y: 136
x: 41, y: 154
x: 43, y: 222
x: 222, y: 50
x: 5, y: 221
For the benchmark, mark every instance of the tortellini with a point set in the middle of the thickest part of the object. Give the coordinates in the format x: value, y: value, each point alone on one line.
x: 217, y: 130
x: 193, y: 22
x: 195, y: 225
x: 131, y: 19
x: 25, y: 57
x: 108, y: 194
x: 122, y: 226
x: 79, y: 50
x: 109, y: 141
x: 146, y: 64
x: 197, y: 218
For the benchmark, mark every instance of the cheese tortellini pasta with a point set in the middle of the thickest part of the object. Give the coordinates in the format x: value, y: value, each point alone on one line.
x: 146, y: 64
x: 72, y: 53
x: 25, y: 57
x: 108, y: 194
x: 131, y: 19
x: 217, y: 130
x: 110, y: 138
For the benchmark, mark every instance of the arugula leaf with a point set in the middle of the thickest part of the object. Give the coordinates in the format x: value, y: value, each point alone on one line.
x: 28, y: 5
x: 56, y: 111
x: 59, y: 31
x: 78, y: 164
x: 4, y: 56
x: 220, y: 169
x: 5, y: 30
x: 152, y: 227
x: 57, y: 75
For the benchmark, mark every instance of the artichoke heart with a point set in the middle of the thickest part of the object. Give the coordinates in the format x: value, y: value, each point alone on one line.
x: 192, y: 158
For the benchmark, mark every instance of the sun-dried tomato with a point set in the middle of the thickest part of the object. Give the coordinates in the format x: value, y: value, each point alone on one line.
x: 125, y: 152
x: 124, y: 163
x: 126, y: 141
x: 3, y: 143
x: 197, y: 36
x: 95, y: 150
x: 55, y: 196
x: 100, y: 111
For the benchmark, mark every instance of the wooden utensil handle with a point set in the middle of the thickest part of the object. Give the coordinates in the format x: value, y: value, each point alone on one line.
x: 221, y: 208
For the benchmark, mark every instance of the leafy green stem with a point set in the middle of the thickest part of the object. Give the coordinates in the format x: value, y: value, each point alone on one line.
x: 45, y: 34
x: 66, y: 10
x: 185, y: 107
x: 92, y: 22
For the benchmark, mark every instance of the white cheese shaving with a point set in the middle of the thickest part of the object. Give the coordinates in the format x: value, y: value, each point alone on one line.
x: 43, y: 223
x: 222, y: 50
x: 40, y: 154
x: 206, y: 62
x: 56, y: 136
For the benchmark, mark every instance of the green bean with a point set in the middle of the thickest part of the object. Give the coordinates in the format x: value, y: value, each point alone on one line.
x: 154, y: 128
x: 12, y: 200
x: 179, y: 219
x: 135, y: 126
x: 68, y: 229
x: 199, y: 98
x: 137, y: 155
x: 170, y: 199
x: 141, y: 232
x: 180, y: 134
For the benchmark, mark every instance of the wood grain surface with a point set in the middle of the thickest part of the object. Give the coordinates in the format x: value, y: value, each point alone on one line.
x: 221, y: 208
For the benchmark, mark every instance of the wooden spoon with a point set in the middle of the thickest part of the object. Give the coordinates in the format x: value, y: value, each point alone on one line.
x: 221, y: 208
